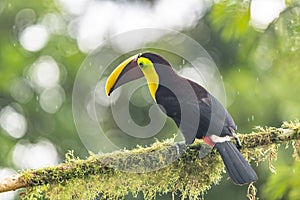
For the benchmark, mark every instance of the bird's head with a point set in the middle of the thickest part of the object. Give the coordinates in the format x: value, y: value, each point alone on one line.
x: 135, y: 67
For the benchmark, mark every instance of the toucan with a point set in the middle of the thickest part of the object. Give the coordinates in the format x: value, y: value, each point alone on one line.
x: 194, y: 110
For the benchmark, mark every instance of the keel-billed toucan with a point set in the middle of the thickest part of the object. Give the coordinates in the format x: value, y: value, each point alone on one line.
x: 194, y: 110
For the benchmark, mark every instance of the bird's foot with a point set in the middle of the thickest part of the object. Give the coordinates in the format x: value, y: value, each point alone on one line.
x: 180, y: 147
x: 238, y: 141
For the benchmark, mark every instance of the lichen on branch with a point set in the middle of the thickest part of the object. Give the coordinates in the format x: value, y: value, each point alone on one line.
x: 159, y: 169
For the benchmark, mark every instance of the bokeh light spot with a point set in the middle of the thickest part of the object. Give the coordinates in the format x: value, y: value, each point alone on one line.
x: 101, y: 19
x: 24, y: 18
x: 34, y: 37
x: 13, y: 122
x: 54, y: 22
x: 263, y: 12
x: 52, y: 99
x: 73, y: 7
x: 21, y: 90
x: 32, y: 156
x: 45, y: 73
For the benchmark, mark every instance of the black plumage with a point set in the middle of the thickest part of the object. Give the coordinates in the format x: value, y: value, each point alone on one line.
x: 194, y: 110
x: 177, y: 94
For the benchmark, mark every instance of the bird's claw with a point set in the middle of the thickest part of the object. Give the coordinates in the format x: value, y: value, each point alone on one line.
x: 238, y: 141
x: 180, y: 147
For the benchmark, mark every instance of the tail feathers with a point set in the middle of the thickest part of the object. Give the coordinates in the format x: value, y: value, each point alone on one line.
x: 237, y: 167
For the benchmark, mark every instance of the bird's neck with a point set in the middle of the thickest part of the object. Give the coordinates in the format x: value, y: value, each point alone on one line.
x: 152, y: 80
x: 162, y: 75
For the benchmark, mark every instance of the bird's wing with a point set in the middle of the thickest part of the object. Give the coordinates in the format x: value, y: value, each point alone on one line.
x: 197, y: 114
x: 191, y: 115
x: 219, y: 120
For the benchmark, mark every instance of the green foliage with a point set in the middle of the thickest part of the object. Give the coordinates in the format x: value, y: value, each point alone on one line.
x: 284, y: 184
x: 236, y: 23
x: 265, y: 75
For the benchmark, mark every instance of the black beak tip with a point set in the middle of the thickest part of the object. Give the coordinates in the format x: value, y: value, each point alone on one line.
x: 110, y: 91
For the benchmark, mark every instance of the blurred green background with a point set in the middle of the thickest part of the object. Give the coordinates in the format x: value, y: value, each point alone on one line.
x: 255, y: 45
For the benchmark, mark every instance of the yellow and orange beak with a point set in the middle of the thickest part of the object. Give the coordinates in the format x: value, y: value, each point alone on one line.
x: 127, y: 71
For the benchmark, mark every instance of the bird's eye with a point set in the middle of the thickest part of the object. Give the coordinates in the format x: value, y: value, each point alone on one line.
x: 141, y: 64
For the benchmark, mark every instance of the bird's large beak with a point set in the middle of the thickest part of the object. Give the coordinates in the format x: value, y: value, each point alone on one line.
x: 127, y: 71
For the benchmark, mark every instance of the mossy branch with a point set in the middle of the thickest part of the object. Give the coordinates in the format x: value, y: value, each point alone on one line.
x: 160, y: 168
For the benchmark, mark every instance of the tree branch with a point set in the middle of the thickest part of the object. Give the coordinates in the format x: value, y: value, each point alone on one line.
x: 12, y: 183
x: 160, y: 159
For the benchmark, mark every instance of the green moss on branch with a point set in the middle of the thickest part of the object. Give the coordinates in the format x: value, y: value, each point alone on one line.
x: 157, y: 169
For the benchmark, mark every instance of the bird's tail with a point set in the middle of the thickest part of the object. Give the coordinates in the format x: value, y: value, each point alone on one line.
x: 237, y: 167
